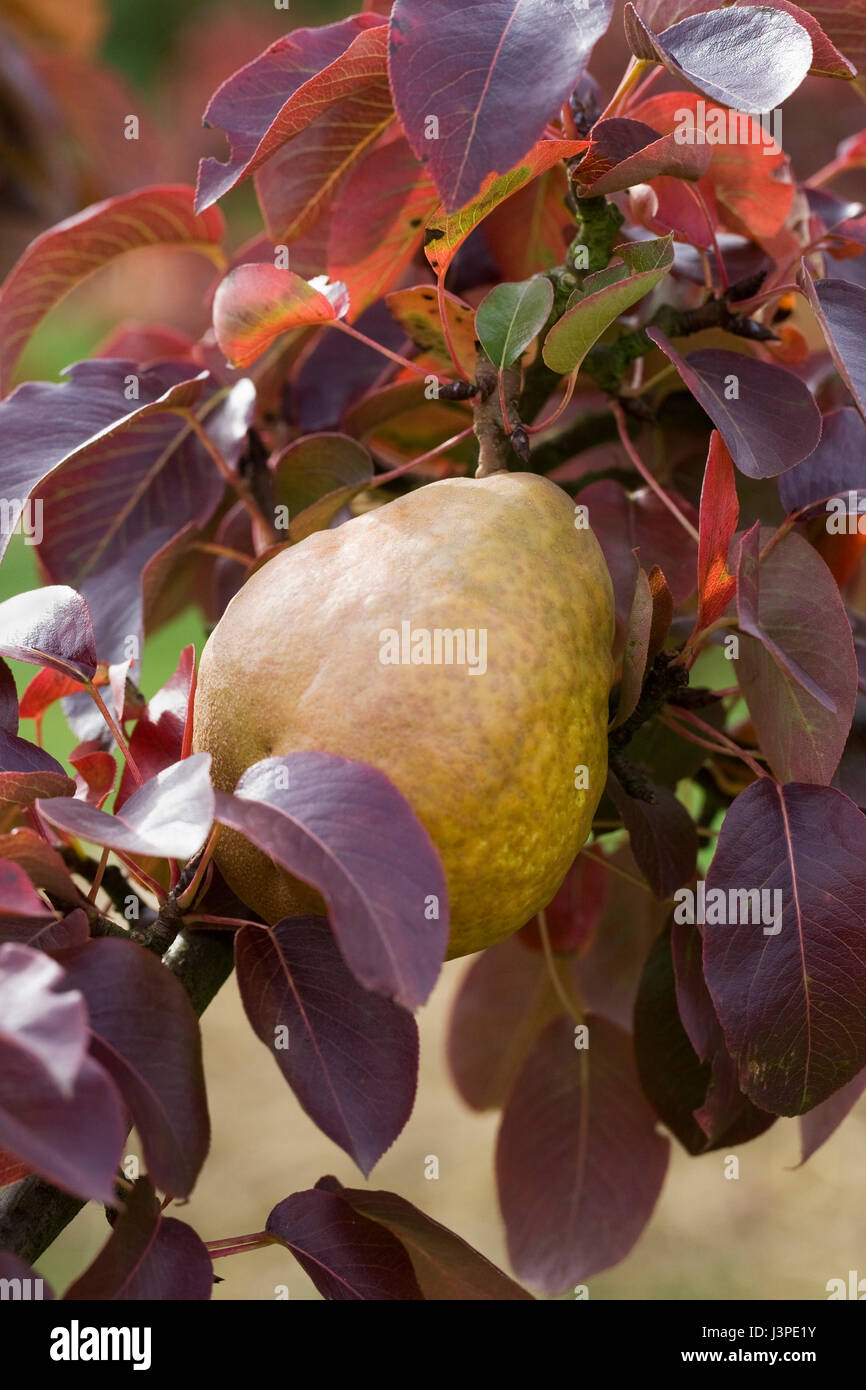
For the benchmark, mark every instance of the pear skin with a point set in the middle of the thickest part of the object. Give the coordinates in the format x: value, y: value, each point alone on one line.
x: 489, y: 750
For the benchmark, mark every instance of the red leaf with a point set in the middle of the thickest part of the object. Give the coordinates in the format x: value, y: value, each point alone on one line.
x: 163, y: 734
x: 254, y: 304
x: 290, y: 87
x: 57, y: 260
x: 44, y: 690
x: 446, y: 232
x: 377, y: 223
x: 97, y: 771
x: 719, y: 512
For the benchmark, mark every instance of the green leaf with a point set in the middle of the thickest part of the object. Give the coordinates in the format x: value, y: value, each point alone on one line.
x: 581, y: 326
x: 510, y: 316
x: 314, y: 477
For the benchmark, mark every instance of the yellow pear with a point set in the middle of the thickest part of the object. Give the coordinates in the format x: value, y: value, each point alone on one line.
x: 459, y: 640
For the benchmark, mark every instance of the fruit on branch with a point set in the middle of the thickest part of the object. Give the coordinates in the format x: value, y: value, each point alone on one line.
x: 341, y: 644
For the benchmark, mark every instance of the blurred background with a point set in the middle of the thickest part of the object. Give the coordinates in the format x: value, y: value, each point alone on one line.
x: 69, y: 76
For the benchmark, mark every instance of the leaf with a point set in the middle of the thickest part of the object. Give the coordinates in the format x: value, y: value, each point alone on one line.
x: 163, y: 734
x: 41, y: 863
x: 131, y: 1238
x: 570, y: 339
x: 256, y: 303
x: 45, y: 689
x: 316, y: 477
x: 662, y: 834
x: 505, y: 1000
x: 750, y: 59
x: 840, y: 308
x: 169, y: 816
x: 746, y: 186
x: 146, y: 1037
x: 796, y: 668
x: 28, y: 772
x: 491, y: 75
x: 49, y: 627
x: 416, y: 309
x: 844, y: 22
x: 148, y: 1256
x: 447, y: 1268
x: 8, y: 700
x: 59, y: 1111
x: 350, y: 1057
x: 343, y: 827
x: 719, y: 512
x: 347, y: 1256
x: 63, y: 256
x: 96, y: 772
x: 296, y: 85
x: 578, y: 1162
x: 574, y: 912
x: 634, y: 659
x: 23, y: 914
x: 529, y: 232
x: 377, y: 222
x: 827, y: 61
x: 176, y: 1267
x: 625, y: 152
x: 820, y: 1123
x: 447, y: 230
x: 624, y: 522
x: 835, y: 466
x: 510, y: 316
x: 771, y: 423
x: 792, y: 1001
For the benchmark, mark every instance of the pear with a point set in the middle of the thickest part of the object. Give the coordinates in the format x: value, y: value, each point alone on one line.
x: 458, y: 639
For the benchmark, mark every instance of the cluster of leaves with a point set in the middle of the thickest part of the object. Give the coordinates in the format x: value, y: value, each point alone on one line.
x: 455, y: 232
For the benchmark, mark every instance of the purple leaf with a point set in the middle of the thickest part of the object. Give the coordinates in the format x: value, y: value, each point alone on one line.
x: 71, y: 930
x: 28, y: 772
x: 625, y: 152
x: 750, y: 59
x: 51, y: 1029
x: 663, y: 836
x: 624, y: 522
x: 350, y: 1056
x: 169, y: 816
x: 840, y: 307
x: 346, y: 1255
x: 343, y: 827
x: 769, y: 425
x: 578, y: 1162
x: 23, y: 914
x: 146, y: 1036
x: 492, y: 74
x: 796, y: 668
x: 634, y: 658
x: 817, y: 1126
x: 289, y: 87
x: 504, y: 1002
x: 131, y: 1238
x: 446, y: 1267
x: 8, y: 700
x: 49, y: 627
x: 791, y: 997
x: 13, y: 1268
x: 838, y: 465
x: 176, y: 1268
x: 59, y: 1111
